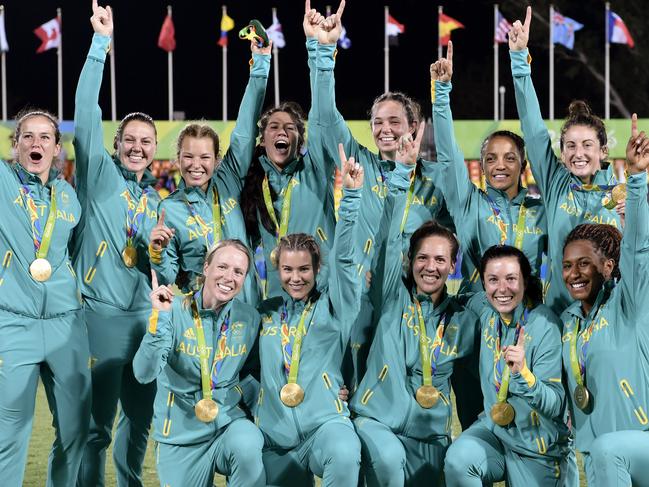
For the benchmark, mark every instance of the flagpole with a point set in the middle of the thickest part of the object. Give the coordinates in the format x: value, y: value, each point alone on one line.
x: 495, y: 62
x: 386, y: 52
x: 440, y: 11
x: 276, y: 64
x: 59, y: 55
x: 551, y: 115
x: 170, y: 74
x: 113, y: 93
x: 224, y: 71
x: 4, y: 77
x: 607, y: 64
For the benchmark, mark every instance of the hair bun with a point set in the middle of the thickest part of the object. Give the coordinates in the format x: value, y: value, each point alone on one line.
x: 579, y: 108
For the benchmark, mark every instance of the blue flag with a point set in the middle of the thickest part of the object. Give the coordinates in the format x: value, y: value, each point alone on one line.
x: 564, y: 29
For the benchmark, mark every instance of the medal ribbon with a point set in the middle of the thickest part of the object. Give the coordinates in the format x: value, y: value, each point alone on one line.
x: 281, y: 227
x: 428, y: 367
x: 519, y: 229
x: 603, y: 188
x: 411, y: 192
x: 501, y: 377
x: 134, y: 216
x: 291, y: 353
x: 214, y: 236
x: 578, y: 363
x: 203, y: 353
x: 41, y: 238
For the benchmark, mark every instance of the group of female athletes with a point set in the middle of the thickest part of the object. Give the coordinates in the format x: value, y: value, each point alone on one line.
x: 244, y: 374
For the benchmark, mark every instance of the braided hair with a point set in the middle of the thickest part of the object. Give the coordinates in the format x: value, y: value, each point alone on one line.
x: 606, y: 239
x: 296, y: 242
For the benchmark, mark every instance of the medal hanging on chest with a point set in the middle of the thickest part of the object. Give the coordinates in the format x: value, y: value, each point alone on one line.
x: 581, y: 394
x: 292, y: 394
x: 427, y: 395
x: 134, y: 216
x: 212, y: 235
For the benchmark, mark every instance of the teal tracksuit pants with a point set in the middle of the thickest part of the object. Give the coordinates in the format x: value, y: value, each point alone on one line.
x: 114, y: 337
x: 618, y: 459
x: 233, y: 453
x: 391, y: 460
x: 478, y: 457
x: 331, y: 452
x: 56, y: 349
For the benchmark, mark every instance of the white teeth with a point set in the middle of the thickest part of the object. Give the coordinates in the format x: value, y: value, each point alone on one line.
x: 224, y: 288
x: 429, y: 278
x: 580, y: 164
x: 578, y: 285
x: 388, y: 139
x: 503, y: 299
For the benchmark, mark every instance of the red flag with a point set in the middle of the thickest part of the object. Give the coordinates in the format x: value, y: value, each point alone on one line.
x: 167, y: 37
x: 50, y: 35
x: 445, y: 25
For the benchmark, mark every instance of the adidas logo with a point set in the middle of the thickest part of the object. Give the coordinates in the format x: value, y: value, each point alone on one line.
x: 189, y: 334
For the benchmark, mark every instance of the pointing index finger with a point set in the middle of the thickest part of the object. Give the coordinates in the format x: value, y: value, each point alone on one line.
x: 528, y: 19
x: 161, y: 220
x: 420, y: 133
x: 341, y: 154
x: 307, y: 6
x: 341, y: 9
x: 449, y: 52
x: 521, y: 338
x: 154, y: 279
x: 634, y: 125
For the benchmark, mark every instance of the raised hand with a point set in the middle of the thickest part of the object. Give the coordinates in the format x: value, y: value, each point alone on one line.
x: 161, y: 296
x: 408, y: 149
x: 637, y: 149
x: 352, y: 171
x: 161, y: 234
x: 254, y: 48
x: 330, y: 30
x: 515, y: 354
x: 102, y: 19
x: 312, y: 20
x: 442, y: 69
x: 519, y: 34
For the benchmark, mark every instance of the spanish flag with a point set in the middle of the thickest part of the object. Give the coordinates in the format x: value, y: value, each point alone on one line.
x: 446, y: 24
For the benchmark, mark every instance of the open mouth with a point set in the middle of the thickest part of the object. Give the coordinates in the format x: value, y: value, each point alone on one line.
x: 282, y: 146
x: 224, y: 288
x: 388, y: 140
x: 577, y: 285
x: 35, y: 156
x: 580, y: 164
x: 196, y: 174
x: 504, y: 299
x: 429, y: 278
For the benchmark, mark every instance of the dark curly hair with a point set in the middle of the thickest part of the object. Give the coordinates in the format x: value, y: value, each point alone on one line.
x: 579, y: 113
x: 606, y: 240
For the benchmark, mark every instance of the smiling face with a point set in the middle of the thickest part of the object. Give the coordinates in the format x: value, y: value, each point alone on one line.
x: 584, y: 271
x: 389, y: 122
x: 197, y: 161
x: 504, y: 284
x: 280, y: 138
x: 36, y: 146
x: 224, y: 276
x: 582, y: 153
x: 502, y: 165
x: 137, y: 146
x: 297, y: 273
x: 431, y: 265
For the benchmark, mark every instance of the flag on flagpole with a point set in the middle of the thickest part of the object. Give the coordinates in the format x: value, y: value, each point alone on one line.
x: 275, y: 33
x: 502, y: 28
x: 344, y: 42
x: 617, y: 30
x: 50, y: 35
x: 447, y: 24
x: 227, y: 24
x: 167, y: 37
x: 564, y: 29
x: 392, y: 29
x: 4, y: 46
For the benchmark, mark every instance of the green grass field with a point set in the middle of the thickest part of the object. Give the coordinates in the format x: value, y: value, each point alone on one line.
x: 41, y: 441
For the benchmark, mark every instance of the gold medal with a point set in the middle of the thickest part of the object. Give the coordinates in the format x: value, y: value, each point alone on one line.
x: 582, y: 397
x: 502, y: 413
x: 618, y: 193
x: 273, y: 258
x: 41, y: 270
x: 427, y: 396
x: 129, y: 256
x: 608, y: 202
x: 206, y: 410
x: 291, y: 394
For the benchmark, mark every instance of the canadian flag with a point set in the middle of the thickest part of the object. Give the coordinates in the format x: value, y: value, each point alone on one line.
x: 50, y: 35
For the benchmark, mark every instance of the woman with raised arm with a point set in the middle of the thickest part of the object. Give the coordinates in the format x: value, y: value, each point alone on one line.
x: 110, y: 254
x: 506, y: 213
x: 206, y: 209
x: 288, y: 190
x: 605, y: 338
x: 41, y: 319
x: 195, y: 348
x: 403, y: 403
x: 304, y: 333
x: 521, y: 438
x: 574, y: 188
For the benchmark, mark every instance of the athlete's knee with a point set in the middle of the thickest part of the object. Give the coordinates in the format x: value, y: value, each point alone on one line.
x: 460, y: 459
x: 246, y: 444
x: 347, y: 451
x: 386, y: 459
x: 607, y: 450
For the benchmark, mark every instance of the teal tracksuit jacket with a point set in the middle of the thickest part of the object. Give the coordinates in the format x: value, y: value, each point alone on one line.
x: 476, y: 213
x: 568, y: 207
x: 182, y: 260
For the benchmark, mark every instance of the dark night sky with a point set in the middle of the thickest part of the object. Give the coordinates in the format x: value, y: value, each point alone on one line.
x: 141, y: 65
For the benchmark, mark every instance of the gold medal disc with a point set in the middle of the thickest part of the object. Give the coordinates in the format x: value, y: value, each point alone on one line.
x: 619, y: 193
x: 427, y: 396
x: 291, y: 394
x: 206, y: 410
x: 273, y: 258
x: 608, y: 202
x: 129, y: 256
x: 502, y: 413
x: 41, y: 270
x: 582, y: 397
